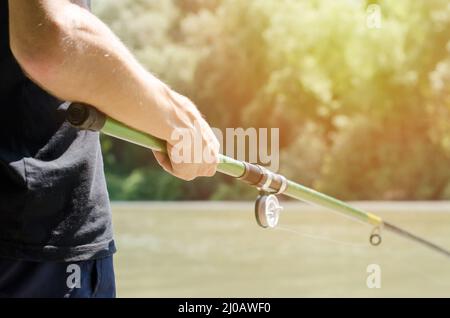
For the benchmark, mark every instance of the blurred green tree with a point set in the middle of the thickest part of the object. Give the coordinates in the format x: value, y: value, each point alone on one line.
x: 363, y: 112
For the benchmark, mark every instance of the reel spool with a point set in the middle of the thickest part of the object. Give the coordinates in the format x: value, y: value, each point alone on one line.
x: 267, y: 210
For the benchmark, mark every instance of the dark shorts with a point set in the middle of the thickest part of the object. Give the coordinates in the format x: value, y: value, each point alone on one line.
x: 86, y: 279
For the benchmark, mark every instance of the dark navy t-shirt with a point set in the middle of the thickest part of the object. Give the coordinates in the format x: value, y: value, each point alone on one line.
x: 53, y: 200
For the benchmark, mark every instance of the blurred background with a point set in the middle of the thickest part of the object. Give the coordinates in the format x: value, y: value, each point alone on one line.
x: 363, y: 107
x: 363, y: 112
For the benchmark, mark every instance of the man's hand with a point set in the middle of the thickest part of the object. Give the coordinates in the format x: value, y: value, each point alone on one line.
x: 180, y: 159
x: 73, y: 55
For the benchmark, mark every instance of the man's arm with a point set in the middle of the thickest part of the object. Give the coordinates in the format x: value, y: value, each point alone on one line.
x: 73, y: 55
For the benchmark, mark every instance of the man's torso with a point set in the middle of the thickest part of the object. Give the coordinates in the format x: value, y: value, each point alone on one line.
x: 53, y: 199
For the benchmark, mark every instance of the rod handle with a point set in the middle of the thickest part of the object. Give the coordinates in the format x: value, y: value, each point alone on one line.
x: 85, y: 117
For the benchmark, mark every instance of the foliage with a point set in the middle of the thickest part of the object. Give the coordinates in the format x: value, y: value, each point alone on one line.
x: 363, y: 112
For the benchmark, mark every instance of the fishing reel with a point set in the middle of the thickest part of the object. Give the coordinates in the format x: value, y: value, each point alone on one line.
x: 269, y: 184
x: 267, y: 210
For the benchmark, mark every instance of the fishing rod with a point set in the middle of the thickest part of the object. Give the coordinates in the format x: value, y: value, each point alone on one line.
x: 270, y: 184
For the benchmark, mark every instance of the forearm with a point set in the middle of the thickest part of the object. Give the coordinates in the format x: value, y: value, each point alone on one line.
x: 84, y: 61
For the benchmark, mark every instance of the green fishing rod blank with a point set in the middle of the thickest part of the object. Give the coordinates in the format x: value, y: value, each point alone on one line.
x: 236, y: 169
x: 270, y: 184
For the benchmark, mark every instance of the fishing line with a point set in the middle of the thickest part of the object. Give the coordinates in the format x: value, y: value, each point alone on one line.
x: 320, y: 238
x: 399, y: 260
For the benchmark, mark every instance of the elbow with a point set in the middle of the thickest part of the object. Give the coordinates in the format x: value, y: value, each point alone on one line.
x: 41, y: 52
